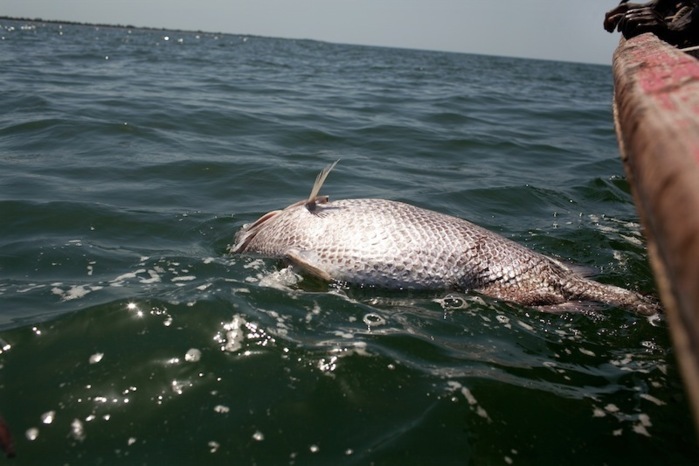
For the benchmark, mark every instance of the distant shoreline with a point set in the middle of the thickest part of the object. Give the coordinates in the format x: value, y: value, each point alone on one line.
x: 101, y: 25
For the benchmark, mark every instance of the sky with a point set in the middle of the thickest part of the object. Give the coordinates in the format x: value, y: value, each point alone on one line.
x: 567, y: 30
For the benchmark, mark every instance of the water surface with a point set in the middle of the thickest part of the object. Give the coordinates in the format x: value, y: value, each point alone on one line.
x: 129, y: 158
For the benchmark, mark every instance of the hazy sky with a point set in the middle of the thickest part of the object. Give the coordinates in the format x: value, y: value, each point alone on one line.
x: 569, y: 30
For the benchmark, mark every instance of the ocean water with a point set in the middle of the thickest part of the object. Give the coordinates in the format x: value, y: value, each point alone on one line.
x: 128, y: 334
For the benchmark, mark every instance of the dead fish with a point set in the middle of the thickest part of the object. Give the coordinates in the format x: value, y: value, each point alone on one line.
x: 394, y: 245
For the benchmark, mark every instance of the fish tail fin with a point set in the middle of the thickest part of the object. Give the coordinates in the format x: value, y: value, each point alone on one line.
x: 600, y: 292
x: 320, y: 179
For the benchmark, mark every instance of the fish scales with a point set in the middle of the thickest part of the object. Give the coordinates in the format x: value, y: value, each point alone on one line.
x: 394, y: 245
x: 390, y: 244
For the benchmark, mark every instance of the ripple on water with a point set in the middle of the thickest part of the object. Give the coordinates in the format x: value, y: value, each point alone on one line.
x: 125, y: 323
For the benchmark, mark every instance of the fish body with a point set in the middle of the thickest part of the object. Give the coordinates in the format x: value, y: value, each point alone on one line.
x: 394, y: 245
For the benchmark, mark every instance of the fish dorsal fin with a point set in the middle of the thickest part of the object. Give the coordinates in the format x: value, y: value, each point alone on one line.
x: 320, y: 179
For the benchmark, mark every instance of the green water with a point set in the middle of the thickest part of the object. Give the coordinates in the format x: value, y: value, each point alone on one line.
x: 129, y: 158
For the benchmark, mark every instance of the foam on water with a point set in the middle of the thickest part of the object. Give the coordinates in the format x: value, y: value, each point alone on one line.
x: 129, y: 161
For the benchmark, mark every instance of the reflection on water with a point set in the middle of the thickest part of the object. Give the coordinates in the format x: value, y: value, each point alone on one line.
x: 129, y: 335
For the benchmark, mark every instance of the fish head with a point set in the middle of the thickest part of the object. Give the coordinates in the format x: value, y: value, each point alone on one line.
x: 249, y: 230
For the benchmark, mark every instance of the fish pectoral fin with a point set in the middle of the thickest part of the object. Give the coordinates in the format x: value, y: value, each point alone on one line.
x: 307, y: 261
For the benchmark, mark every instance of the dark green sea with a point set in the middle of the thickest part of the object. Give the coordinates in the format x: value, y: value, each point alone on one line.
x: 128, y: 335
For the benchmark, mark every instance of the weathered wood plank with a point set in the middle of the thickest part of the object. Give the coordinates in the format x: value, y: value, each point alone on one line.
x: 656, y: 108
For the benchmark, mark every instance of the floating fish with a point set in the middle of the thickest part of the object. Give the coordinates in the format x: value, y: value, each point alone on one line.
x: 394, y: 245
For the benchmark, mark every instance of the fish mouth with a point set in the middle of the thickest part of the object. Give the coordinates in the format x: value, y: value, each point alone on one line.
x: 249, y: 231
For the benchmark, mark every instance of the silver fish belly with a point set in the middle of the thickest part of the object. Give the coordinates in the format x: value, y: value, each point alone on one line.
x: 389, y: 244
